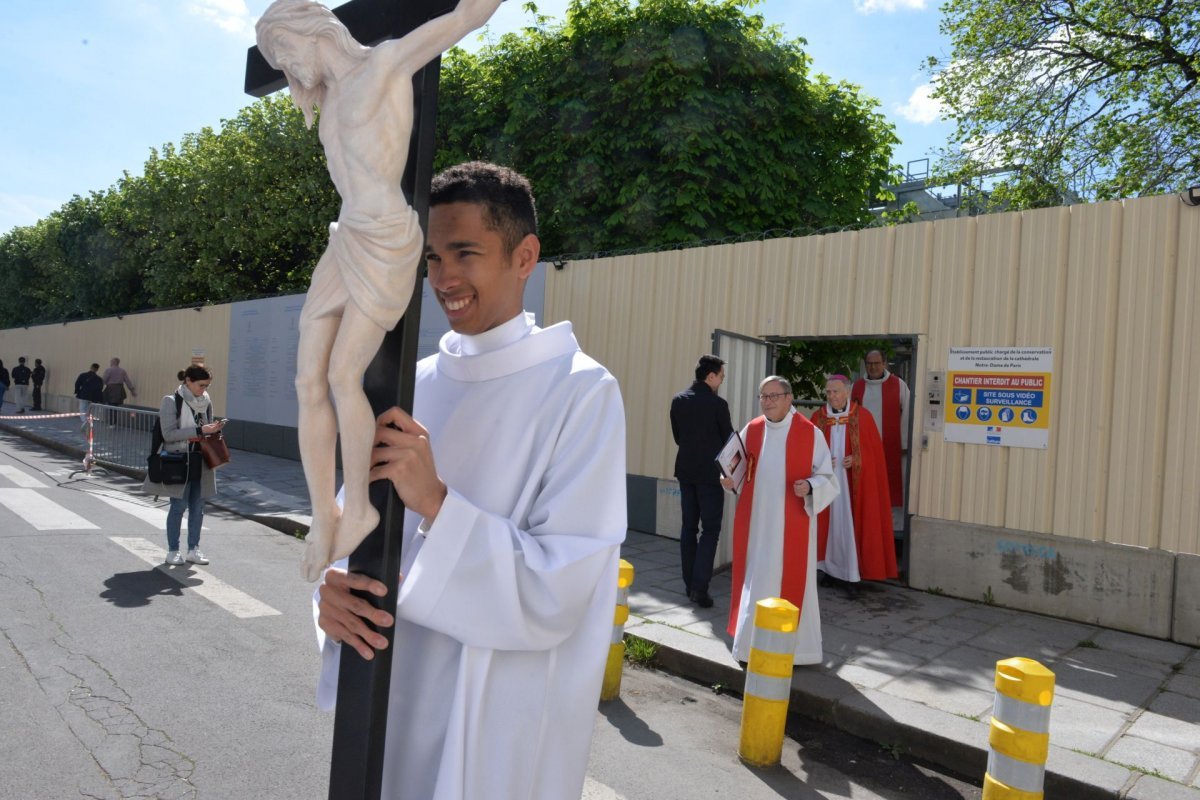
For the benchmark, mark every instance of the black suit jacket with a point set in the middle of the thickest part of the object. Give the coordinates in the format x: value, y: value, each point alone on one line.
x: 88, y: 386
x: 701, y: 426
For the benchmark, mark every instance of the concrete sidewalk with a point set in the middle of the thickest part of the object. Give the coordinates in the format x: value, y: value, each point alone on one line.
x: 911, y: 670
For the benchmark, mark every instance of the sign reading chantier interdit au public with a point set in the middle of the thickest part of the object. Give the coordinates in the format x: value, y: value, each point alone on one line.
x: 999, y: 396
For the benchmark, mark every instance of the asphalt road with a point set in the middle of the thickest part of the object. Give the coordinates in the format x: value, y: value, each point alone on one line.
x: 121, y: 677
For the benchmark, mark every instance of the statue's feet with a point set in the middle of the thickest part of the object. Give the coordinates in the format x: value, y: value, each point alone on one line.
x: 318, y: 551
x: 354, y: 526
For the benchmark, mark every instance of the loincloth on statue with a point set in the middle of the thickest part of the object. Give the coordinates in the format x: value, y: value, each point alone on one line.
x: 369, y: 262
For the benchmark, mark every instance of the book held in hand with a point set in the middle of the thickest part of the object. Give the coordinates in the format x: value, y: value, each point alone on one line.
x: 733, y: 461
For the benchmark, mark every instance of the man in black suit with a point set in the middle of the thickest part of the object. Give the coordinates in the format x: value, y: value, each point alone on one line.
x: 700, y: 424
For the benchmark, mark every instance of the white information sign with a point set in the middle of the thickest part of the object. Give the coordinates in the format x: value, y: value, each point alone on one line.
x: 263, y: 338
x: 999, y: 396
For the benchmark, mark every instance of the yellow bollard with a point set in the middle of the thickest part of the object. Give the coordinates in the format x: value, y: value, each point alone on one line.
x: 768, y: 681
x: 611, y: 688
x: 1019, y: 739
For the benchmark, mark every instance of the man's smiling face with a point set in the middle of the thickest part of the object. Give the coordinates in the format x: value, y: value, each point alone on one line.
x: 478, y: 282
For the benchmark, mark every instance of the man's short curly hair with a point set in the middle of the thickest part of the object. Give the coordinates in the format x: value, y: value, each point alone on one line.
x: 504, y: 193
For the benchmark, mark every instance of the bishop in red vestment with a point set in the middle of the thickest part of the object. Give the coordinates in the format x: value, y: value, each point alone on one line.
x: 855, y: 540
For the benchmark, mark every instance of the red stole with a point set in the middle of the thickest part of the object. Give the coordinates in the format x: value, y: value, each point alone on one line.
x: 889, y: 431
x: 797, y: 467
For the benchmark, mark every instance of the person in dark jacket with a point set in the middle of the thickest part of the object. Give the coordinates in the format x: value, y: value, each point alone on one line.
x: 4, y: 381
x: 39, y: 377
x: 89, y: 388
x: 20, y: 379
x: 700, y: 424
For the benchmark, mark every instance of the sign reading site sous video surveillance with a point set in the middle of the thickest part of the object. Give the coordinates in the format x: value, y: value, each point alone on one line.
x: 998, y: 396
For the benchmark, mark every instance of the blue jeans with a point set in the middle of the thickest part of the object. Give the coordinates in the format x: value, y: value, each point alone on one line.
x: 194, y: 504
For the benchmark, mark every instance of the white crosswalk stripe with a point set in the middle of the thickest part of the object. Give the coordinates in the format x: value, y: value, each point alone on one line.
x: 21, y: 479
x: 594, y: 790
x: 210, y: 587
x: 155, y: 515
x: 41, y: 512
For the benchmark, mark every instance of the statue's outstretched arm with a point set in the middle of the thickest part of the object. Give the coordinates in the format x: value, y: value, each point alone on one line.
x: 422, y: 45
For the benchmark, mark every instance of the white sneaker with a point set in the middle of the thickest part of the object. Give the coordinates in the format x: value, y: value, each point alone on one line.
x: 173, y: 558
x: 196, y: 557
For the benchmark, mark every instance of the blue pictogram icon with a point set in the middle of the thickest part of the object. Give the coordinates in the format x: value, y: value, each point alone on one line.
x: 962, y: 396
x: 983, y: 413
x: 962, y: 412
x: 1006, y: 415
x: 1028, y: 416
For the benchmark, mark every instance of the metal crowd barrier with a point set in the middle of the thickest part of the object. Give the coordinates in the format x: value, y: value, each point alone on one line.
x: 121, y: 435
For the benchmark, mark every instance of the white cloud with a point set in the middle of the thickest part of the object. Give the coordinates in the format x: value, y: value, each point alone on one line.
x: 228, y: 15
x: 887, y: 6
x: 921, y: 108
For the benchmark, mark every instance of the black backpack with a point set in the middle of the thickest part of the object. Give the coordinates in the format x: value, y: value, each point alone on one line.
x: 169, y: 468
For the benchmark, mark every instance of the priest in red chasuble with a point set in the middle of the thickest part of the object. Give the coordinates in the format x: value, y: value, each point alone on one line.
x: 887, y: 398
x: 855, y: 539
x: 789, y: 481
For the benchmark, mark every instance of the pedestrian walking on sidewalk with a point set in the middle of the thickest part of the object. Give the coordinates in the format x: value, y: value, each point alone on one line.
x: 701, y: 425
x: 89, y: 388
x: 184, y: 416
x: 115, y: 381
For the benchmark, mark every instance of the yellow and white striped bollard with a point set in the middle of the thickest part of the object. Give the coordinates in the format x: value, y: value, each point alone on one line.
x: 611, y: 688
x: 768, y: 681
x: 1019, y: 739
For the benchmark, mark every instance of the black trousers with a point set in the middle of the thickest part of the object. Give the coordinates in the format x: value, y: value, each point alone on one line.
x: 702, y: 505
x: 37, y: 397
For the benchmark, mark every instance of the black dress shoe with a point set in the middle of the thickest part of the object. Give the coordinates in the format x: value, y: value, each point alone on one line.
x: 702, y: 599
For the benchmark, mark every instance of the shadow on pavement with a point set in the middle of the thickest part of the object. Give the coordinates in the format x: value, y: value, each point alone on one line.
x: 630, y: 725
x: 137, y: 589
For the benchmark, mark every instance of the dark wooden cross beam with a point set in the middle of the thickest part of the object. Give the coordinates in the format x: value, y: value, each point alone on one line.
x: 360, y: 724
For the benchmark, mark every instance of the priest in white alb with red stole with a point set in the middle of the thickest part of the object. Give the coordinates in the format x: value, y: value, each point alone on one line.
x: 856, y: 540
x: 789, y: 481
x: 888, y: 399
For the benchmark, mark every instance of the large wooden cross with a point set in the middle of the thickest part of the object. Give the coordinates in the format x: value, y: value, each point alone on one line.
x: 360, y: 724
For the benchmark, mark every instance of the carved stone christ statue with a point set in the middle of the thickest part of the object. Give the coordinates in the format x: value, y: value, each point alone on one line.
x: 364, y: 280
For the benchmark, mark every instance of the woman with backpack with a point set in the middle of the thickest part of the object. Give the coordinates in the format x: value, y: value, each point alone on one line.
x: 184, y: 417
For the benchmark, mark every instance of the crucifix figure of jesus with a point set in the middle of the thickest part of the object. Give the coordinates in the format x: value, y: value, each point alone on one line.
x: 364, y: 280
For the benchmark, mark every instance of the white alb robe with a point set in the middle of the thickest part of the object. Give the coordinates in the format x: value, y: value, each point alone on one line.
x: 841, y: 551
x: 764, y: 547
x: 505, y: 609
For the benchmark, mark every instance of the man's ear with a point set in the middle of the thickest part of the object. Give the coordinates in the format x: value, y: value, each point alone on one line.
x: 526, y: 254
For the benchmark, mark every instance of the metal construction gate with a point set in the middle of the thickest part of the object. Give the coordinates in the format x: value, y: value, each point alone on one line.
x: 747, y: 361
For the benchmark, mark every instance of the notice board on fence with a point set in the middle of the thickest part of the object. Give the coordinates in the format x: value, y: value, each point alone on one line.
x: 999, y: 396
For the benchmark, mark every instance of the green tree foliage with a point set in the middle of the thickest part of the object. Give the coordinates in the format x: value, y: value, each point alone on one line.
x: 239, y: 213
x: 671, y: 122
x: 666, y: 122
x: 225, y: 215
x: 806, y: 362
x: 1099, y: 96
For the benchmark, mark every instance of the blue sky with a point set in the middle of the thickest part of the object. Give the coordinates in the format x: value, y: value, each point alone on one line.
x: 90, y: 86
